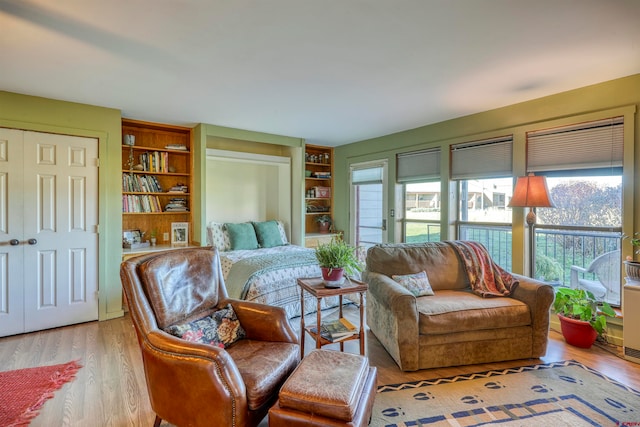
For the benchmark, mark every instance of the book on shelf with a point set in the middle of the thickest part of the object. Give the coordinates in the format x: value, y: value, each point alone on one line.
x: 140, y: 203
x: 176, y: 204
x: 336, y: 330
x: 180, y: 147
x: 178, y: 188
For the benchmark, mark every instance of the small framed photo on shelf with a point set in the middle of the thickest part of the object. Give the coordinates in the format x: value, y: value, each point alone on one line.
x: 179, y: 234
x: 132, y: 239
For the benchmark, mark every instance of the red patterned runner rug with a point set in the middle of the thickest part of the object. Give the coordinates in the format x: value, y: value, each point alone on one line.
x: 24, y: 391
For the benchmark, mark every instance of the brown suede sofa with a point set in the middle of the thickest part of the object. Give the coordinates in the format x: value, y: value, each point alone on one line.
x: 455, y: 326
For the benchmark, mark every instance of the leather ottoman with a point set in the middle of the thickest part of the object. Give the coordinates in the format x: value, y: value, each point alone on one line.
x: 328, y: 388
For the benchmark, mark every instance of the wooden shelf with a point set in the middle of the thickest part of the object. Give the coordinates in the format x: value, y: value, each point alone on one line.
x: 153, y: 138
x: 156, y: 173
x: 311, y: 226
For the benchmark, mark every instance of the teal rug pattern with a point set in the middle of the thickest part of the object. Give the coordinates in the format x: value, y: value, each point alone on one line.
x: 565, y: 393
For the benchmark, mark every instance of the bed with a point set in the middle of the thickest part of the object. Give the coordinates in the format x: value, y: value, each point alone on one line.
x: 259, y: 264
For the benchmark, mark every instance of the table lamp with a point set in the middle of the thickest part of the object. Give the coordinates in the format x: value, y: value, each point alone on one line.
x: 531, y: 192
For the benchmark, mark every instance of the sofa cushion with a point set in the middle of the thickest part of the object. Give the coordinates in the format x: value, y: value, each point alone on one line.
x: 218, y: 237
x: 262, y: 368
x: 417, y: 283
x: 268, y: 234
x: 221, y: 329
x: 457, y: 311
x: 242, y: 235
x: 438, y: 259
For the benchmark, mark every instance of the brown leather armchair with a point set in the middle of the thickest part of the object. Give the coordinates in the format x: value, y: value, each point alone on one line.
x: 194, y: 384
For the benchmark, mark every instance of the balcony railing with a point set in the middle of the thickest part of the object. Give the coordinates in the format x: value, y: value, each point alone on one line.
x: 565, y: 246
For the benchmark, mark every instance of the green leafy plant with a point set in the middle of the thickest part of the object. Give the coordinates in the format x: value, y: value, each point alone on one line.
x: 548, y: 268
x: 323, y: 218
x: 338, y: 254
x: 582, y: 305
x: 634, y: 240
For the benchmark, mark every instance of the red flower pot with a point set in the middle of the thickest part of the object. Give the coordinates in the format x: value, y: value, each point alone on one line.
x: 577, y: 332
x: 333, y: 276
x: 323, y: 227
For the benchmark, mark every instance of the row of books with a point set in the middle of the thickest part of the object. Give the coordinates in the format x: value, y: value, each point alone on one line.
x: 147, y: 203
x: 323, y: 175
x: 140, y: 183
x: 155, y: 161
x: 336, y: 330
x: 143, y: 203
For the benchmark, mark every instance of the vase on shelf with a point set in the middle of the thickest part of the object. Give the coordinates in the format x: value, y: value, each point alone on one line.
x: 632, y: 270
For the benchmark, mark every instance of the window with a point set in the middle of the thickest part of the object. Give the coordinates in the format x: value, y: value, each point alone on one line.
x: 483, y: 170
x: 583, y: 166
x: 422, y: 212
x: 480, y: 219
x: 368, y: 203
x: 419, y: 171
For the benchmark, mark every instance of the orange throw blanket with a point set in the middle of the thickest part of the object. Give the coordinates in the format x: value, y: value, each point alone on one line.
x: 487, y: 278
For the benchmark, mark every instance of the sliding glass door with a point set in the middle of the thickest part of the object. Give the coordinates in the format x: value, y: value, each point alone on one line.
x: 368, y: 219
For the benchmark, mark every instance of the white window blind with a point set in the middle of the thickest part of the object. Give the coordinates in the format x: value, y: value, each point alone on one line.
x: 418, y: 166
x: 369, y: 175
x: 490, y: 158
x: 592, y: 145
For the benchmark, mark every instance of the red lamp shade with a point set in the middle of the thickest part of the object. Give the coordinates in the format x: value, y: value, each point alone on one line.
x: 531, y: 192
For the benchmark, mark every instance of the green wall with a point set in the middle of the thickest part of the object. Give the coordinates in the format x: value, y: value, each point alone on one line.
x: 48, y: 115
x: 224, y: 138
x: 608, y: 99
x: 616, y: 97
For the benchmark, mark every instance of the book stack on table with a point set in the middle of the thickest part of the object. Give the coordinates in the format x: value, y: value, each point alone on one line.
x: 336, y: 330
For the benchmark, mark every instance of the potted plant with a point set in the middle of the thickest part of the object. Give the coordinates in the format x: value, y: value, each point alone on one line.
x: 153, y: 237
x: 582, y: 318
x: 548, y: 269
x: 324, y: 223
x: 631, y: 267
x: 337, y: 258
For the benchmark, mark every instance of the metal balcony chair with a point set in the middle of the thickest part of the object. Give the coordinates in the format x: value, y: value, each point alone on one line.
x: 606, y: 268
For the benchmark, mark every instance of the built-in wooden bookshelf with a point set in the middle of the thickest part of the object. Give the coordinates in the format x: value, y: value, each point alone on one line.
x: 318, y: 192
x: 156, y: 178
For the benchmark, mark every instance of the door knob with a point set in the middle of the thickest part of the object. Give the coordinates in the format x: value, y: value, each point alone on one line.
x: 32, y: 241
x: 14, y: 242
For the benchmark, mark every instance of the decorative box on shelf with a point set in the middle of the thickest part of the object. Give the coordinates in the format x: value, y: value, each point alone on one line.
x: 322, y: 192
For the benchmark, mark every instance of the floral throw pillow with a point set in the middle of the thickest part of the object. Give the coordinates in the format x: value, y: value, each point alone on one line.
x: 218, y: 237
x: 221, y: 329
x: 417, y: 283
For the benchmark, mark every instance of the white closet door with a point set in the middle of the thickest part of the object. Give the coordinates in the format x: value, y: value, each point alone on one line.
x: 53, y: 214
x: 11, y: 229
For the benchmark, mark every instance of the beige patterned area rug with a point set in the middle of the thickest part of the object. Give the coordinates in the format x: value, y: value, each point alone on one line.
x: 555, y: 394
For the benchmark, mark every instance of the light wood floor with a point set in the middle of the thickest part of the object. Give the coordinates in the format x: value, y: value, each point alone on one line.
x: 110, y: 389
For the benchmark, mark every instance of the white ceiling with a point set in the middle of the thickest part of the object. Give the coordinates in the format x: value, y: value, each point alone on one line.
x: 329, y: 71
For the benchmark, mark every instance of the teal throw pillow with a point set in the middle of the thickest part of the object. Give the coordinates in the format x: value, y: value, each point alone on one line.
x: 268, y: 234
x: 242, y: 236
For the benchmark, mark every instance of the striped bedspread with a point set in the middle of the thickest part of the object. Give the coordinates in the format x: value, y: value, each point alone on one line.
x: 269, y: 276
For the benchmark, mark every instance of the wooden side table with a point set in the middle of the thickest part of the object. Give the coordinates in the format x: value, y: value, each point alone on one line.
x: 315, y: 286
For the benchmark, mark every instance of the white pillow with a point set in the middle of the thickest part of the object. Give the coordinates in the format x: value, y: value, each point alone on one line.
x: 283, y: 233
x: 417, y: 283
x: 218, y: 237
